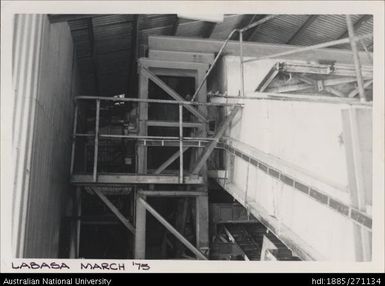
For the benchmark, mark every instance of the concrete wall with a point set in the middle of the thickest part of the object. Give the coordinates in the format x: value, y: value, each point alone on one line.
x: 43, y: 120
x: 304, y: 142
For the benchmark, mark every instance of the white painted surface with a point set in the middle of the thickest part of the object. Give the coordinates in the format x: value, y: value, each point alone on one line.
x: 302, y: 139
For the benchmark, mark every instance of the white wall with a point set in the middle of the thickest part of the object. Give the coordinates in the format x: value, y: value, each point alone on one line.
x: 304, y: 140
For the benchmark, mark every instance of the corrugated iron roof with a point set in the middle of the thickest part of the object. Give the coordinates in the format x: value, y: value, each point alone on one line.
x: 111, y: 43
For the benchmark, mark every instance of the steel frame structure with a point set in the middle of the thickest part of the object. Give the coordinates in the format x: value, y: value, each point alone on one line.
x: 150, y: 70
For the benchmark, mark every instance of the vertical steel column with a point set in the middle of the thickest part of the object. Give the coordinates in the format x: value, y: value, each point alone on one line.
x: 356, y: 58
x: 140, y: 229
x: 181, y: 143
x: 74, y: 137
x: 96, y: 140
x: 241, y: 63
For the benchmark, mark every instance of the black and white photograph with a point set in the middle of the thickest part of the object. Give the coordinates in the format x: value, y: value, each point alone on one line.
x: 145, y: 136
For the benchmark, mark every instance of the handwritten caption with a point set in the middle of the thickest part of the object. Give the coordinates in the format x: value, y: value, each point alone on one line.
x: 32, y: 265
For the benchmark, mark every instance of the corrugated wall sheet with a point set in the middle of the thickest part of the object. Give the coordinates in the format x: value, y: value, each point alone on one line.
x: 45, y: 83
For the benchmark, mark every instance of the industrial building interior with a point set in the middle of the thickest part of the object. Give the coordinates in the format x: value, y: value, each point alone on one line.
x: 165, y: 136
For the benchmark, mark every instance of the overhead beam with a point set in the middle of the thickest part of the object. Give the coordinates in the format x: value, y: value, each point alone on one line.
x: 251, y: 49
x: 209, y: 149
x: 204, y: 58
x: 171, y: 229
x: 356, y: 25
x: 310, y: 20
x: 117, y: 179
x: 171, y: 92
x: 114, y: 210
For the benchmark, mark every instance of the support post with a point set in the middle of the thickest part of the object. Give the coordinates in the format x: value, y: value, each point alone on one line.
x: 202, y: 226
x: 181, y: 144
x: 357, y: 63
x: 140, y: 229
x: 143, y: 116
x: 96, y: 142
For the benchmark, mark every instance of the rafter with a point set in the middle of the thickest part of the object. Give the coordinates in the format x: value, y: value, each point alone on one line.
x: 310, y: 20
x: 251, y: 33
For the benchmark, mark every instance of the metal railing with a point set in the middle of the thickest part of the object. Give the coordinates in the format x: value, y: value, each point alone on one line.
x: 97, y: 135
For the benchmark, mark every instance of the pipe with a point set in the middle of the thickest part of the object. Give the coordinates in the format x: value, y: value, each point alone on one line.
x: 225, y: 44
x: 314, y: 47
x: 241, y: 63
x: 259, y: 22
x: 213, y: 64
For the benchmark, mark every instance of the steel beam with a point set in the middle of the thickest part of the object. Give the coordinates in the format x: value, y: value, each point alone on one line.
x: 159, y: 123
x: 171, y: 229
x: 117, y: 179
x: 208, y: 150
x: 250, y: 49
x: 114, y: 210
x: 172, y: 193
x: 171, y: 92
x: 311, y: 48
x: 140, y: 233
x: 205, y: 58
